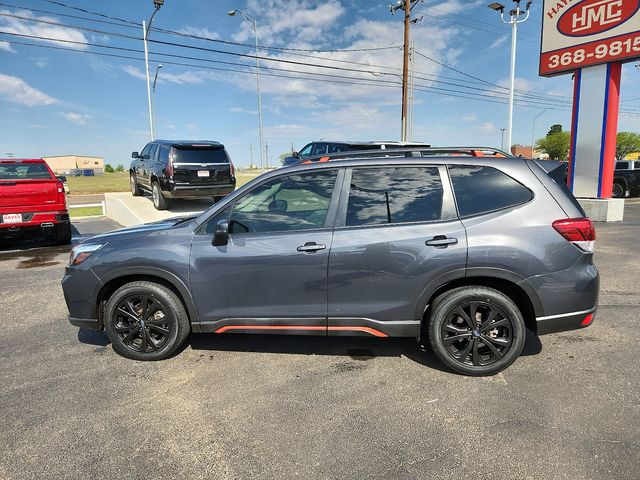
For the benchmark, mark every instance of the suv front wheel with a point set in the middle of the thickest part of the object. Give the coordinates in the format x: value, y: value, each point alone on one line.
x: 476, y: 330
x: 135, y: 189
x: 145, y: 321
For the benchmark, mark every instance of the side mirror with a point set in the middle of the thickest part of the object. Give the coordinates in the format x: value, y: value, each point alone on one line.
x: 295, y: 155
x: 62, y: 178
x: 135, y: 155
x: 278, y: 206
x: 221, y: 234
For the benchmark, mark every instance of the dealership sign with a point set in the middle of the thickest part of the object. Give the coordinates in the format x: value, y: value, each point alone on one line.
x: 582, y: 33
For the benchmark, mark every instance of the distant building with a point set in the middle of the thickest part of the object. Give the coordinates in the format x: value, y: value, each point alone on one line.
x: 527, y: 152
x: 69, y: 164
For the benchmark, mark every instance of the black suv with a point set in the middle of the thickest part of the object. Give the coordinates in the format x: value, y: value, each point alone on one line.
x: 182, y: 169
x: 321, y: 148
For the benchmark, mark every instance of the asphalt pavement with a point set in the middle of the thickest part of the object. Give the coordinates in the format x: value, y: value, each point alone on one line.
x: 85, y: 199
x: 243, y: 406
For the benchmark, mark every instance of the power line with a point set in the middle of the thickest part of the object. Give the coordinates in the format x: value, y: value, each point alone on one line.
x: 492, y: 98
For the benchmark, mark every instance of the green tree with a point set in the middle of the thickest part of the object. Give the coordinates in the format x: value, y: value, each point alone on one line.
x: 108, y: 168
x: 556, y: 145
x: 120, y: 168
x: 557, y: 128
x: 626, y: 143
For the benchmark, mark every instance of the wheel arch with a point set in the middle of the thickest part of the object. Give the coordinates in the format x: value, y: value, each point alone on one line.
x: 161, y: 277
x: 517, y: 289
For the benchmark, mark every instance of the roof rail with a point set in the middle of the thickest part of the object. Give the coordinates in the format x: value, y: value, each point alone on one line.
x: 407, y: 152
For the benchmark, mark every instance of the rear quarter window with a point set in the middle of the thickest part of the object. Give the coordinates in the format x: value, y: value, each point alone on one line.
x: 480, y: 189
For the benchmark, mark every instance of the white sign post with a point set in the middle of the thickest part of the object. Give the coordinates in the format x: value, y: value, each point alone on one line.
x: 591, y: 39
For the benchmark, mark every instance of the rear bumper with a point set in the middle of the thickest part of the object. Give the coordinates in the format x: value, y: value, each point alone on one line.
x: 565, y: 321
x: 193, y: 191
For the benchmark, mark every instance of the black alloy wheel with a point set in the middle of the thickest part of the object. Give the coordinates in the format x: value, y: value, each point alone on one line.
x: 476, y: 330
x: 477, y: 333
x: 142, y: 323
x: 618, y: 191
x: 145, y: 321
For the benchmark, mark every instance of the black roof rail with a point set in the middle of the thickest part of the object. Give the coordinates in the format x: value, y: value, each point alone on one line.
x: 416, y: 152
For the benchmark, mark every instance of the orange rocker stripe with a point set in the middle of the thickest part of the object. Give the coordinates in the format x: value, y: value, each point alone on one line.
x: 372, y: 331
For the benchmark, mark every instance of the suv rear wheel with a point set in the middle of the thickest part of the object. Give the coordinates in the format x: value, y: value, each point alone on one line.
x: 145, y: 321
x: 133, y: 182
x: 476, y: 330
x: 159, y: 201
x: 618, y: 190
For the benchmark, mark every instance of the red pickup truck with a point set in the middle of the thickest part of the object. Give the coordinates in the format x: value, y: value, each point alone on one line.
x: 32, y: 201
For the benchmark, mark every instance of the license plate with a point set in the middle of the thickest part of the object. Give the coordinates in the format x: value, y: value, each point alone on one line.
x: 203, y: 173
x: 12, y: 218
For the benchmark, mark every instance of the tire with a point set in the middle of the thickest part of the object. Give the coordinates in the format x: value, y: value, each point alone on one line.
x: 165, y: 322
x: 159, y: 201
x: 618, y: 190
x: 495, y: 348
x: 63, y: 233
x: 135, y: 188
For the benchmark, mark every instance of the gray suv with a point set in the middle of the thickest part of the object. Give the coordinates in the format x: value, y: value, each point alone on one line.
x: 461, y: 252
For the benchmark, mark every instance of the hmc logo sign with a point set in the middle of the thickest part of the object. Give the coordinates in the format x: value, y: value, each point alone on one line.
x: 580, y: 33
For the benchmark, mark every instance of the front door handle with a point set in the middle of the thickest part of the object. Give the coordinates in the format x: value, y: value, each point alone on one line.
x: 441, y: 241
x: 311, y: 247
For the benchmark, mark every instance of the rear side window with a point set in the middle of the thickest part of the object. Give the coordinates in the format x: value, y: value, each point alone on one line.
x: 381, y: 196
x: 622, y: 165
x: 24, y: 171
x: 485, y: 189
x: 199, y: 155
x: 163, y: 156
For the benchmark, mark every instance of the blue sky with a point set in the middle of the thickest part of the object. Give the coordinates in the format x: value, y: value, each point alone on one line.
x: 57, y: 102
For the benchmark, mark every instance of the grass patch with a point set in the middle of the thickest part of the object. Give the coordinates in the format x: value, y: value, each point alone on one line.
x: 119, y: 182
x: 84, y: 211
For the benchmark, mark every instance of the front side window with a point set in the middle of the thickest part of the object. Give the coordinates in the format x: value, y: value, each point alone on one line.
x: 379, y: 196
x: 481, y: 190
x: 306, y: 151
x: 287, y: 203
x: 145, y: 151
x: 319, y: 149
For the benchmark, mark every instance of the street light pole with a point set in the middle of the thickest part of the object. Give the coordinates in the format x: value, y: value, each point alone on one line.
x: 254, y: 25
x: 502, y: 144
x: 145, y: 34
x: 153, y: 90
x: 514, y: 20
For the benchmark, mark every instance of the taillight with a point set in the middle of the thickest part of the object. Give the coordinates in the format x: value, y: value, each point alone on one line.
x: 232, y: 168
x: 579, y: 231
x: 169, y: 169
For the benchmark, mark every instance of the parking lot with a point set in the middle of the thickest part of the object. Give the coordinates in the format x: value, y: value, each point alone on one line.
x: 242, y: 406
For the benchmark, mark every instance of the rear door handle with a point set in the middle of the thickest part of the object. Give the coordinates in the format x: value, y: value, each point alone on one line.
x: 311, y: 247
x: 441, y: 241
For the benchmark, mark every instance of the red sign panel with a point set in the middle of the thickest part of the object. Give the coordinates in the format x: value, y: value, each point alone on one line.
x: 581, y: 33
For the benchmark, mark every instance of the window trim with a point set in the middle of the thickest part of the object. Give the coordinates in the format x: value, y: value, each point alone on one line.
x: 447, y: 214
x: 455, y: 199
x: 329, y: 223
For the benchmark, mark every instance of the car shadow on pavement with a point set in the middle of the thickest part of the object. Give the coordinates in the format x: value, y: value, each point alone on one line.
x: 93, y: 337
x: 26, y: 241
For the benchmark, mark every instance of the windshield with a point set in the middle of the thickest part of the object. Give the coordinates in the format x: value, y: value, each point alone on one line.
x: 24, y: 171
x: 199, y: 155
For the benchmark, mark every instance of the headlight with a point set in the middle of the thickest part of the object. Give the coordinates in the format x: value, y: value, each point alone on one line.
x: 81, y: 252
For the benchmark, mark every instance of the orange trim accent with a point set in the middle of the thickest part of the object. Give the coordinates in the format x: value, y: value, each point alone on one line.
x: 477, y: 153
x: 268, y: 327
x: 323, y: 160
x: 370, y: 330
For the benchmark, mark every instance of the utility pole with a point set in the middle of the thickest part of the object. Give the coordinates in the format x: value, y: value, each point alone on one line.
x: 406, y: 6
x: 502, y: 144
x: 251, y: 155
x: 266, y: 156
x: 413, y: 89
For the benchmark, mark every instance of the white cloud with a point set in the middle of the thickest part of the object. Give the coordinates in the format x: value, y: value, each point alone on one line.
x: 488, y: 127
x: 192, y: 77
x: 499, y: 42
x: 40, y: 62
x: 469, y: 117
x: 199, y: 32
x: 243, y: 110
x: 6, y: 46
x: 16, y: 90
x: 77, y: 118
x: 25, y: 27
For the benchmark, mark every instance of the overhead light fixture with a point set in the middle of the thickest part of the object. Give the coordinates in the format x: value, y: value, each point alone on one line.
x: 498, y: 7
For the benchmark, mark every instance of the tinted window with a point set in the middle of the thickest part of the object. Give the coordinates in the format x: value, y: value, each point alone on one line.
x: 146, y: 150
x: 636, y: 165
x: 199, y: 155
x: 319, y: 149
x: 306, y: 151
x: 485, y: 189
x: 336, y: 148
x: 394, y: 195
x: 24, y: 171
x: 622, y: 165
x: 152, y: 151
x: 163, y: 156
x: 292, y: 202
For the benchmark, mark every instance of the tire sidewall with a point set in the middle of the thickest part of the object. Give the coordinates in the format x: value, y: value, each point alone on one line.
x: 444, y: 305
x: 174, y: 308
x: 620, y: 192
